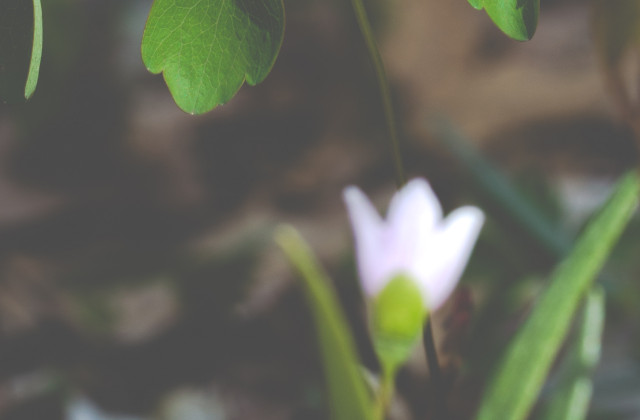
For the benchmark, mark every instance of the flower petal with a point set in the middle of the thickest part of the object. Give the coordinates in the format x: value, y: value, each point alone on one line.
x: 439, y: 270
x: 413, y: 213
x: 367, y: 231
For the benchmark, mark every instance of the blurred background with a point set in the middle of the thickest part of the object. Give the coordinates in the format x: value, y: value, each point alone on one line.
x: 138, y: 274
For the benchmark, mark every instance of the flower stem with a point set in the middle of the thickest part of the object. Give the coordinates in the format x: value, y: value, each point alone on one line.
x: 385, y: 91
x: 385, y: 393
x: 401, y: 179
x: 439, y: 394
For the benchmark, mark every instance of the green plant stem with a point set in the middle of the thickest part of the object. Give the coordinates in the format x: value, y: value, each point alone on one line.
x: 401, y: 179
x: 385, y: 394
x: 439, y: 396
x: 385, y: 91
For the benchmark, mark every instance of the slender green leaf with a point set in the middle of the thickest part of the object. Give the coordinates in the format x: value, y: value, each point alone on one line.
x: 348, y: 394
x: 208, y: 48
x: 20, y: 48
x: 572, y: 396
x: 516, y: 18
x: 526, y: 363
x: 497, y: 186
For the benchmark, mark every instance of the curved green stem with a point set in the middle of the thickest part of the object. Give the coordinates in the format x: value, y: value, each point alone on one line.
x: 401, y: 179
x: 385, y: 92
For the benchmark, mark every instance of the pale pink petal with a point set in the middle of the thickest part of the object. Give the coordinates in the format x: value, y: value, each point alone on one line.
x: 413, y: 213
x: 368, y: 230
x: 416, y: 201
x: 441, y: 267
x: 413, y: 240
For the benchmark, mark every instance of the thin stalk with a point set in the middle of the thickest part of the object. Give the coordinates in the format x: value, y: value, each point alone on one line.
x: 385, y: 92
x: 401, y: 179
x: 439, y: 394
x: 385, y: 394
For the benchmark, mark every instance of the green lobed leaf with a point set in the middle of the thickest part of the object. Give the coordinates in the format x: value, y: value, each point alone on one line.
x: 20, y: 48
x: 206, y: 49
x: 347, y: 391
x: 36, y: 51
x: 516, y: 18
x: 476, y: 4
x: 523, y: 368
x: 572, y: 396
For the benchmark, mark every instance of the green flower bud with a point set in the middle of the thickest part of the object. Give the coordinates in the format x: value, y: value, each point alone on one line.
x: 398, y: 316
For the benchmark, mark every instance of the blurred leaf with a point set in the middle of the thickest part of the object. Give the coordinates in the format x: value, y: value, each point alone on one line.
x: 208, y: 48
x: 572, y: 396
x: 522, y: 370
x: 516, y: 18
x: 501, y: 189
x: 348, y: 394
x: 20, y: 48
x: 616, y: 25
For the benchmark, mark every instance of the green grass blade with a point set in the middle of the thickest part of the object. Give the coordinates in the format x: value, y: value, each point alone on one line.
x: 526, y: 363
x: 572, y: 396
x: 347, y: 392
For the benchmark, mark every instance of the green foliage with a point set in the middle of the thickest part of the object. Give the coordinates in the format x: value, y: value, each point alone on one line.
x: 526, y: 363
x: 572, y: 397
x: 208, y: 48
x: 516, y: 18
x: 20, y: 48
x: 398, y: 319
x: 348, y: 395
x: 476, y: 4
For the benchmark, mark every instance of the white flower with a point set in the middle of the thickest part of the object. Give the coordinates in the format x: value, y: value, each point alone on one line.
x: 414, y: 240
